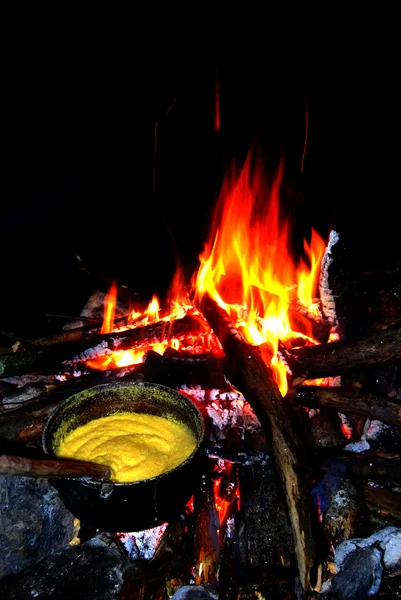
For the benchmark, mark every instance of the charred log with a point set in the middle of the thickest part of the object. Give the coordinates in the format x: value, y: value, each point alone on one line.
x: 12, y: 395
x: 207, y: 549
x: 264, y: 529
x: 338, y: 358
x: 370, y: 467
x: 192, y: 370
x: 384, y: 499
x: 341, y: 519
x: 48, y: 356
x: 168, y: 570
x: 228, y: 570
x: 349, y: 400
x: 249, y: 373
x: 321, y: 430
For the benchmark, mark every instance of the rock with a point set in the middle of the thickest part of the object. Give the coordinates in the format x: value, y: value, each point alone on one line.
x: 195, y: 592
x: 34, y: 522
x: 89, y: 571
x: 361, y: 575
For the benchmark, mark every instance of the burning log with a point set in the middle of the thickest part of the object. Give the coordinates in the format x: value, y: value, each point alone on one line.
x: 174, y: 554
x: 303, y: 320
x: 322, y: 431
x: 50, y: 353
x: 195, y: 370
x: 265, y: 537
x: 337, y: 358
x: 167, y: 570
x: 348, y: 400
x: 206, y: 538
x: 249, y: 373
x: 228, y: 580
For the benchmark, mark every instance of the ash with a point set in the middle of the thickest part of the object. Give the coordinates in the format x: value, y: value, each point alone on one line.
x: 225, y: 408
x: 371, y: 431
x: 142, y: 544
x: 326, y: 294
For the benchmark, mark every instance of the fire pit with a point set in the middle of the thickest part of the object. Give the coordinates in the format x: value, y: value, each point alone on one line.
x: 301, y: 401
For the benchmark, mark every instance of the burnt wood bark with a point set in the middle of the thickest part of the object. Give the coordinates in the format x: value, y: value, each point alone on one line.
x: 49, y: 355
x: 228, y: 570
x: 337, y: 358
x: 248, y: 372
x: 37, y: 467
x: 205, y: 537
x: 348, y: 400
x: 369, y: 467
x: 384, y: 499
x: 265, y: 537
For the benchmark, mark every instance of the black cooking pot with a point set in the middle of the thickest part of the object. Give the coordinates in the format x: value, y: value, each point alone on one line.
x: 138, y: 505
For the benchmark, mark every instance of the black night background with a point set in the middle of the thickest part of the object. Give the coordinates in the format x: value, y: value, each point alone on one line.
x: 86, y: 197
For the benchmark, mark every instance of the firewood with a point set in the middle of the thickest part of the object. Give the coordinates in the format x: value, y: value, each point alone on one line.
x: 337, y: 358
x: 13, y: 422
x: 197, y: 369
x: 50, y: 354
x: 384, y: 499
x: 265, y: 538
x: 343, y: 513
x: 348, y: 400
x: 206, y: 538
x: 228, y: 570
x: 249, y: 373
x: 371, y: 467
x: 151, y: 579
x: 12, y: 396
x: 33, y: 415
x: 303, y: 320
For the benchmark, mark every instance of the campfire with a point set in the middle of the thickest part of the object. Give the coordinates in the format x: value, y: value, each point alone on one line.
x: 301, y: 495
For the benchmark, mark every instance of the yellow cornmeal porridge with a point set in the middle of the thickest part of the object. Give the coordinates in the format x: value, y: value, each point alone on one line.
x: 135, y: 446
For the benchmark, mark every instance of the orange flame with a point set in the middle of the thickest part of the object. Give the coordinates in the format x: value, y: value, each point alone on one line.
x: 247, y: 267
x: 109, y: 309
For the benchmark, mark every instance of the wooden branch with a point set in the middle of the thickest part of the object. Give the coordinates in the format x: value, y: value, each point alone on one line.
x: 337, y: 358
x: 253, y: 378
x: 205, y: 537
x: 384, y: 499
x: 50, y: 356
x: 228, y: 570
x: 348, y: 400
x: 343, y: 512
x: 37, y: 467
x: 369, y: 467
x: 265, y: 537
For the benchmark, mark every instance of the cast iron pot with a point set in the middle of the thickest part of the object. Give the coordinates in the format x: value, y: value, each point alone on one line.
x: 119, y: 507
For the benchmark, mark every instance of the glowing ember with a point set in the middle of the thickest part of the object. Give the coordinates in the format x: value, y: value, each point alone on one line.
x: 134, y: 356
x: 247, y: 268
x: 226, y: 493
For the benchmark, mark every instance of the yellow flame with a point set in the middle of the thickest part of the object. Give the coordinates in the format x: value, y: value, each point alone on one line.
x: 247, y: 266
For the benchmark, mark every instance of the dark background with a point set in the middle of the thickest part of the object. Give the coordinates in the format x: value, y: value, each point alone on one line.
x: 79, y: 203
